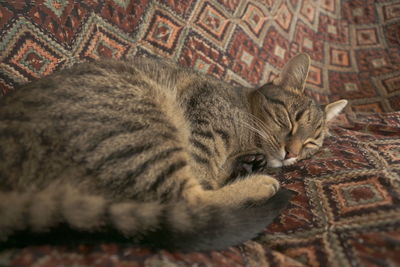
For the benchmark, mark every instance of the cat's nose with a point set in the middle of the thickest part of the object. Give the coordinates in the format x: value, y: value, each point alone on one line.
x: 293, y: 148
x: 290, y: 155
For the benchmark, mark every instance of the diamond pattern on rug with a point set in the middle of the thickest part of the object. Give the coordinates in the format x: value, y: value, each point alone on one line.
x: 163, y: 32
x: 358, y: 196
x: 310, y: 252
x: 246, y: 58
x: 32, y: 58
x: 284, y: 17
x: 198, y: 53
x: 124, y: 14
x: 62, y: 19
x: 102, y: 44
x: 212, y: 21
x: 254, y: 18
x: 278, y: 48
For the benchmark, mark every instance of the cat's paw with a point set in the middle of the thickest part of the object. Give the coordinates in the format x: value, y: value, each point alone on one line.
x: 247, y: 164
x: 262, y: 187
x: 257, y: 188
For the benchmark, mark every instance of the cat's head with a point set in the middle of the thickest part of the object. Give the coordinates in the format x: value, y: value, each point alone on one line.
x: 294, y: 125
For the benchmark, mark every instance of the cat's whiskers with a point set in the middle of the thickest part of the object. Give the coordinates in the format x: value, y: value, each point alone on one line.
x: 254, y: 129
x: 262, y: 130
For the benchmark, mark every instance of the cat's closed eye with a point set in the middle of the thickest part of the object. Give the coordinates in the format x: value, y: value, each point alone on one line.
x: 311, y: 144
x: 299, y: 115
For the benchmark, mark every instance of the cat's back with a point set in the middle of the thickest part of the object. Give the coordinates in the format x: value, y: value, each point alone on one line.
x: 102, y: 86
x: 135, y: 77
x: 86, y: 112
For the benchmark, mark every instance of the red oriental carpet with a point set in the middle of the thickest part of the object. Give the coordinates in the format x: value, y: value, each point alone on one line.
x: 346, y: 211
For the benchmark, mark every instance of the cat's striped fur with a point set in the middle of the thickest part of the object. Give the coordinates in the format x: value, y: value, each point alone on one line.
x: 145, y: 147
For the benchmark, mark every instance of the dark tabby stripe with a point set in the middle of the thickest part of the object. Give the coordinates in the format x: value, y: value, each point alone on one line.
x: 101, y: 137
x: 30, y: 103
x: 179, y: 188
x: 204, y: 134
x: 141, y: 108
x: 166, y: 173
x: 126, y: 152
x: 69, y: 97
x: 275, y: 101
x: 155, y: 112
x: 132, y: 126
x: 20, y: 157
x: 10, y: 133
x: 201, y: 146
x: 130, y: 175
x: 17, y: 116
x: 83, y: 116
x: 309, y: 117
x: 319, y: 126
x: 272, y: 116
x: 206, y: 185
x: 281, y: 120
x: 147, y: 103
x: 200, y: 122
x: 224, y: 136
x: 300, y: 113
x: 174, y: 190
x: 104, y: 106
x: 104, y: 136
x: 113, y: 107
x: 200, y: 159
x: 318, y: 135
x: 167, y: 136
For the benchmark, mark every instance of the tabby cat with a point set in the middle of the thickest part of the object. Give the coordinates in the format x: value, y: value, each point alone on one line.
x: 147, y: 149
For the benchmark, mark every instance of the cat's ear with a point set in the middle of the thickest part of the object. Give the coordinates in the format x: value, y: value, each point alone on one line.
x: 333, y: 109
x: 294, y: 73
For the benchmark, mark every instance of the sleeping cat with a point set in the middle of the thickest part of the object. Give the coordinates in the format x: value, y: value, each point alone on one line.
x: 147, y: 149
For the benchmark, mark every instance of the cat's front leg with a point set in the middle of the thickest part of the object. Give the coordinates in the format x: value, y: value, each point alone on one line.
x: 245, y: 164
x: 258, y: 187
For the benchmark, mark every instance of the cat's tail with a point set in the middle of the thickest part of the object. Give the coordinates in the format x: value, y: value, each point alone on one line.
x: 172, y: 226
x: 214, y: 227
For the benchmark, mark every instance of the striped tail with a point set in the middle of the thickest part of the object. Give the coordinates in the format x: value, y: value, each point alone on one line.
x: 61, y: 214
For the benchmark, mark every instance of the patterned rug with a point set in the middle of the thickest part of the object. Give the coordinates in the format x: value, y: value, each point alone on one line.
x: 347, y: 208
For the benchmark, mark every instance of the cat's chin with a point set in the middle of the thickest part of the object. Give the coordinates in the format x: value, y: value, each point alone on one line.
x: 275, y: 163
x: 290, y: 161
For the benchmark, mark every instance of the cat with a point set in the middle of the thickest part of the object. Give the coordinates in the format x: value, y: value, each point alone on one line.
x: 147, y: 149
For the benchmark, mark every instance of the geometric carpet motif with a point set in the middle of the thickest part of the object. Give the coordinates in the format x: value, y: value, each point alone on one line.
x: 346, y: 208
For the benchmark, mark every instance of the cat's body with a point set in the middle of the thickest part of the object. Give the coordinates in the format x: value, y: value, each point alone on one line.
x: 146, y: 148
